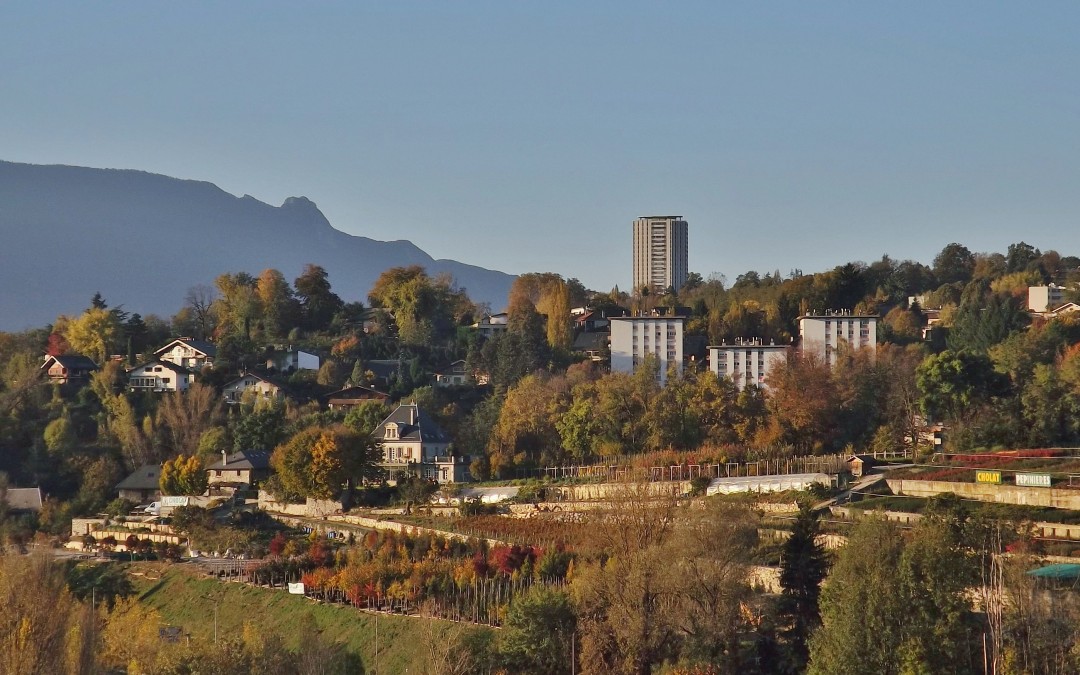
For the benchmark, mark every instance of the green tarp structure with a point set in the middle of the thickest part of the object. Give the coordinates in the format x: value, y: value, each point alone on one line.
x: 1063, y: 571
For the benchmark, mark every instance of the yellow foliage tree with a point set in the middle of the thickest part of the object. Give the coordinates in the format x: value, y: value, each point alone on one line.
x: 94, y: 333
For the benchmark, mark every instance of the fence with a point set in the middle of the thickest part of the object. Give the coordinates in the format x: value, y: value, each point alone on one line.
x: 831, y: 464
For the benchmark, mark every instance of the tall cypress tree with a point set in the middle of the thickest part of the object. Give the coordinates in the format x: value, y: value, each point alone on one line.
x: 802, y: 570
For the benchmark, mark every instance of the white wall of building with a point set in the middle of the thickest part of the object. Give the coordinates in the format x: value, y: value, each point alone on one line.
x: 156, y: 377
x: 235, y: 390
x: 822, y: 334
x: 306, y: 361
x: 746, y: 362
x: 185, y: 356
x: 634, y: 337
x: 1044, y: 298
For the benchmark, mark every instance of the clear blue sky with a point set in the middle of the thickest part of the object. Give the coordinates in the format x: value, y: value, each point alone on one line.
x: 527, y: 136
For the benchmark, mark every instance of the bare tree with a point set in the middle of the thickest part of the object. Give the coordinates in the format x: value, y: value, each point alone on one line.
x: 199, y: 299
x: 447, y: 652
x: 187, y: 415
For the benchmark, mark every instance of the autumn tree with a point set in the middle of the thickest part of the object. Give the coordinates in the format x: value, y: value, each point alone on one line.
x: 183, y: 475
x: 624, y: 627
x: 672, y: 582
x: 425, y: 310
x: 320, y: 462
x: 622, y: 404
x: 237, y: 307
x: 803, y: 404
x: 526, y: 432
x: 94, y: 334
x: 43, y: 629
x: 551, y: 296
x: 280, y: 311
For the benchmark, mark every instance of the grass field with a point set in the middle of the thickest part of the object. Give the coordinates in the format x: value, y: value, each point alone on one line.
x: 185, y: 598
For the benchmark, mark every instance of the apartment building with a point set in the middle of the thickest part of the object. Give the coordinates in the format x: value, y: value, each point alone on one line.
x: 822, y: 334
x: 635, y: 337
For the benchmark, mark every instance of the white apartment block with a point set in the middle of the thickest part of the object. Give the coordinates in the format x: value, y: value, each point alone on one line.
x: 660, y: 253
x: 747, y: 361
x: 1042, y: 299
x: 633, y: 337
x: 822, y: 334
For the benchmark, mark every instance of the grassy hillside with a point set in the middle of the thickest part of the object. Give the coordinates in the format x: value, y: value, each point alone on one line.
x: 186, y: 598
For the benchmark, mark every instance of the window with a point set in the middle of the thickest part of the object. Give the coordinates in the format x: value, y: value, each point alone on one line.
x: 165, y: 380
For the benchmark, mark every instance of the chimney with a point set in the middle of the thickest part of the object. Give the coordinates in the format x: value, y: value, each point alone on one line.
x: 413, y: 415
x: 224, y: 457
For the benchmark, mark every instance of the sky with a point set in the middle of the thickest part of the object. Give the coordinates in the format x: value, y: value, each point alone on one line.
x: 527, y: 136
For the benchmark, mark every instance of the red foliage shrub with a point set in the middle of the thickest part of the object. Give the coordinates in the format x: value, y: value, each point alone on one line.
x: 320, y: 554
x: 277, y: 544
x: 480, y: 564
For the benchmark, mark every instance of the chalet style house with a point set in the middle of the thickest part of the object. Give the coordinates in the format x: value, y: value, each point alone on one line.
x: 188, y: 353
x: 453, y: 374
x: 160, y: 376
x: 262, y: 388
x: 68, y: 368
x: 350, y: 397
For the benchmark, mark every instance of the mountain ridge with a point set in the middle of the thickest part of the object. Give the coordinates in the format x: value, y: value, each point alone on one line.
x: 142, y: 239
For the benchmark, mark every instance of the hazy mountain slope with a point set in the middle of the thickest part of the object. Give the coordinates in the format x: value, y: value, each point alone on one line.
x: 143, y: 239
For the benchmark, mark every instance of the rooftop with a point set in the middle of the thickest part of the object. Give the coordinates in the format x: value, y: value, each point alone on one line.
x: 245, y: 459
x: 146, y: 477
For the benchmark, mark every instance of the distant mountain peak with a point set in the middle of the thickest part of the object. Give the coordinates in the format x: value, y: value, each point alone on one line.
x: 143, y: 239
x: 299, y: 202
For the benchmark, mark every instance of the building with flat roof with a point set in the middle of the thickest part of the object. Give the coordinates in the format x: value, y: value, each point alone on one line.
x: 1045, y: 298
x: 747, y: 361
x: 635, y: 337
x: 822, y: 334
x: 660, y: 253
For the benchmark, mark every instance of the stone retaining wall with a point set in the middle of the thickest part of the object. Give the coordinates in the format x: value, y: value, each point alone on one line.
x: 987, y: 492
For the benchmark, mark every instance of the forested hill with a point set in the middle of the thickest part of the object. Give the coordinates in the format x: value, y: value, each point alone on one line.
x: 143, y: 239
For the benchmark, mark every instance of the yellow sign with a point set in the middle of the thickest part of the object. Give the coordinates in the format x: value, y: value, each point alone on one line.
x: 984, y: 476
